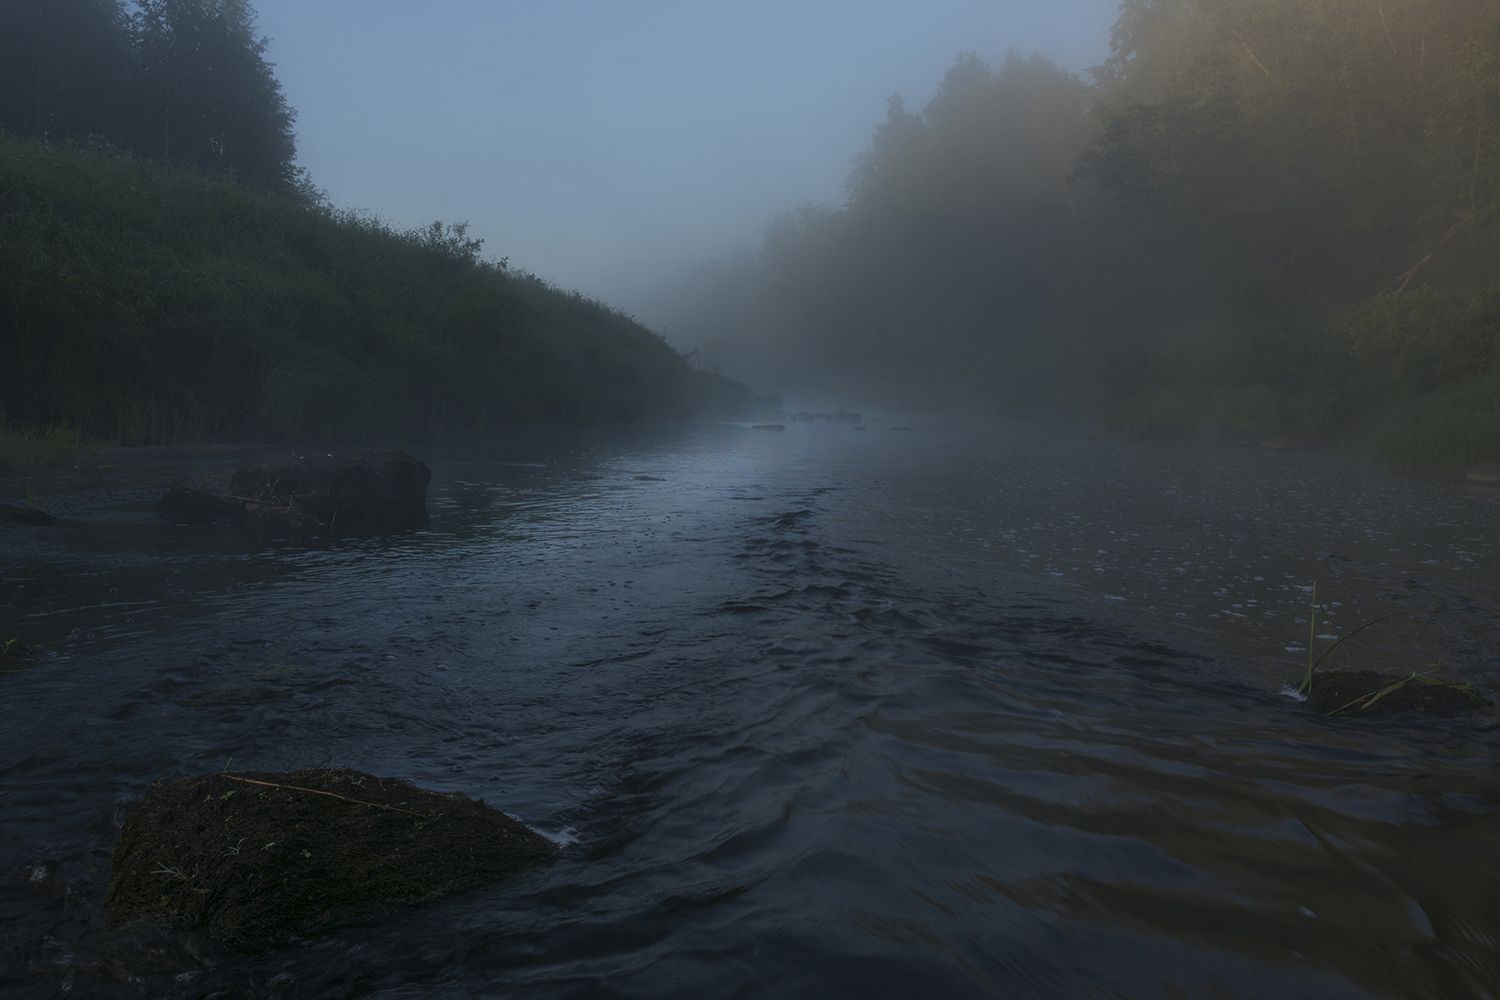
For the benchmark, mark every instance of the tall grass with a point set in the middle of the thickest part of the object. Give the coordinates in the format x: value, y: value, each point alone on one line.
x: 24, y: 449
x: 1444, y: 433
x: 148, y: 304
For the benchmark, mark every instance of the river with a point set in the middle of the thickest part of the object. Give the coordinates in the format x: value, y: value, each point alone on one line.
x: 987, y: 710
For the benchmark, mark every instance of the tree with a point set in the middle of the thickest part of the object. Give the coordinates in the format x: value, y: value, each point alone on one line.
x: 63, y: 67
x: 207, y: 97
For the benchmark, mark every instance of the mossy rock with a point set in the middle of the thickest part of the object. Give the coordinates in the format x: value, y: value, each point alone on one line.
x: 1364, y: 692
x: 258, y: 858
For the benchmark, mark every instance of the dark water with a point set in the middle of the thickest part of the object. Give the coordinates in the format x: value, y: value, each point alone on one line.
x: 984, y: 712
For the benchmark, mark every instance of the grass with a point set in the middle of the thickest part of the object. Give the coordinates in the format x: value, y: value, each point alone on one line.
x: 1444, y: 433
x: 145, y: 304
x: 23, y: 449
x: 1362, y: 691
x: 1366, y: 702
x: 1312, y: 634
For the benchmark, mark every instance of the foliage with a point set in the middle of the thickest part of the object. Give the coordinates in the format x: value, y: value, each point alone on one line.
x: 25, y: 448
x: 145, y: 303
x: 1445, y: 432
x: 1195, y: 408
x: 1257, y: 215
x: 185, y: 82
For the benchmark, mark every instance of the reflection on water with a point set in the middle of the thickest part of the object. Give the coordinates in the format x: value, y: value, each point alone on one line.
x: 956, y: 713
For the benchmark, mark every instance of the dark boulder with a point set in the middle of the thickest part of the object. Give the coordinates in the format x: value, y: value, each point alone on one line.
x: 357, y: 492
x: 259, y: 858
x: 15, y: 514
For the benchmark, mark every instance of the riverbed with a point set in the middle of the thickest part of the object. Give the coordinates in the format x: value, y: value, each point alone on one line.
x: 960, y: 710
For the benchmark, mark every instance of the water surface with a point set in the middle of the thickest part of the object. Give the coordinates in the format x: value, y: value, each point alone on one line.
x: 956, y: 712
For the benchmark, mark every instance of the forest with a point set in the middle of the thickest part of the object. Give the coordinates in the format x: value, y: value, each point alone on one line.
x: 1258, y: 217
x: 171, y: 274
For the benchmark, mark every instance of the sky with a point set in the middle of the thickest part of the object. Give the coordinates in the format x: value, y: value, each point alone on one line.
x: 612, y: 146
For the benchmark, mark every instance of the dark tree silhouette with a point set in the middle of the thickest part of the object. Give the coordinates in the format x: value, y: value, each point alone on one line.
x: 184, y: 81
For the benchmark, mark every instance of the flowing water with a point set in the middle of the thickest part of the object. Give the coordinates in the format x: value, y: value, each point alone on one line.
x: 983, y: 711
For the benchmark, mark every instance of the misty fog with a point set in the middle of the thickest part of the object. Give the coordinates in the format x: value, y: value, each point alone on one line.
x: 859, y: 498
x: 611, y: 147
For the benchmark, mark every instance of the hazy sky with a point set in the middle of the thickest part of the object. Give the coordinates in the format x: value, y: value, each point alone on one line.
x: 609, y: 146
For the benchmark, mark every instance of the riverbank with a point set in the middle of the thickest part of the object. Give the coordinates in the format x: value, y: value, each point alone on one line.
x: 148, y: 304
x: 1445, y: 433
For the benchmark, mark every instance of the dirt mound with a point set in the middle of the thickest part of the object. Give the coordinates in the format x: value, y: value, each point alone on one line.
x: 258, y: 857
x: 1364, y: 692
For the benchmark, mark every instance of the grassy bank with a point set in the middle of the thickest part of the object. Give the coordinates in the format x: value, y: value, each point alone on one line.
x: 1416, y: 378
x: 143, y: 304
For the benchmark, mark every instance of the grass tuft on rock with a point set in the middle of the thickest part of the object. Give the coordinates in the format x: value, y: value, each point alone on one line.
x: 1365, y: 692
x: 258, y: 858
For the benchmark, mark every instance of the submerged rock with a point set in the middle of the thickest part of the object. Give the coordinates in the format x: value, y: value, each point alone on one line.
x: 257, y: 858
x: 355, y: 492
x: 15, y: 514
x: 1364, y: 692
x: 362, y: 492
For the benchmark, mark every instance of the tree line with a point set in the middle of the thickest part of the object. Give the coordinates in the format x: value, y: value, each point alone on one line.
x: 183, y: 82
x: 168, y: 274
x: 1257, y: 216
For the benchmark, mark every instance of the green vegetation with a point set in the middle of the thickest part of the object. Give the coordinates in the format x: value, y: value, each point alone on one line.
x: 150, y: 303
x: 1193, y: 407
x: 1447, y: 432
x: 182, y: 82
x: 23, y: 449
x: 1418, y: 693
x: 1257, y: 217
x: 168, y: 273
x: 1357, y: 692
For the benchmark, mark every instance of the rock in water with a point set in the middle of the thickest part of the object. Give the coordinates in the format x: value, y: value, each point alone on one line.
x: 1360, y: 693
x: 359, y: 492
x: 258, y: 858
x: 14, y: 514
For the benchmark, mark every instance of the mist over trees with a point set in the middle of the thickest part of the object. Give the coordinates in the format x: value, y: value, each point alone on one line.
x: 185, y: 82
x: 168, y: 274
x: 1262, y: 214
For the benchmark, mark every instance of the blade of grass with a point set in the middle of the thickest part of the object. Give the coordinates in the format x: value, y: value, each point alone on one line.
x: 1365, y: 701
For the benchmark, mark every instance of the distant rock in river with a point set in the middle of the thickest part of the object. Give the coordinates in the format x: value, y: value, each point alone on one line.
x: 356, y: 492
